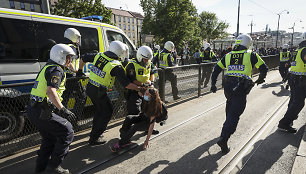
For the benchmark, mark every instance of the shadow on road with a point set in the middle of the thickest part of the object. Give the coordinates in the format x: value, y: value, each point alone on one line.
x: 282, y: 92
x: 267, y: 153
x: 268, y: 85
x: 192, y: 162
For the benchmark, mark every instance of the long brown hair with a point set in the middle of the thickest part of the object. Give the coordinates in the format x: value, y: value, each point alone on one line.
x: 154, y: 106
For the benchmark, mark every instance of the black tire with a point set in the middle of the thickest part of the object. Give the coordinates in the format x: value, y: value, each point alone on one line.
x: 10, y: 126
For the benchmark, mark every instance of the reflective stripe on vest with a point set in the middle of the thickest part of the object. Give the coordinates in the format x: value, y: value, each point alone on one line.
x: 238, y: 63
x: 100, y: 71
x: 142, y: 73
x: 284, y: 56
x: 39, y: 90
x: 298, y: 67
x: 163, y: 60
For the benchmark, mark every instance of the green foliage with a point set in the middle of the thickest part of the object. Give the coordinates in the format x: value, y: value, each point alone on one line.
x: 81, y: 8
x: 211, y: 27
x: 173, y: 20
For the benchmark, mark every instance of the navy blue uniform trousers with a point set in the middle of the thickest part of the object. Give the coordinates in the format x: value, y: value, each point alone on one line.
x: 57, y: 135
x: 297, y: 99
x: 283, y: 70
x: 131, y: 125
x: 235, y: 105
x: 104, y: 111
x: 133, y: 103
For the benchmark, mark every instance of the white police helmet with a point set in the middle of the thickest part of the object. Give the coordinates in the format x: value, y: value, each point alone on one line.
x: 127, y: 50
x: 244, y: 40
x: 120, y: 49
x: 285, y: 46
x: 169, y: 46
x: 73, y: 35
x: 206, y: 45
x: 157, y: 47
x: 144, y: 52
x: 59, y: 52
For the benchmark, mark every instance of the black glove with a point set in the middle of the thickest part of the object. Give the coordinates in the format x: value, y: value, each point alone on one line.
x: 65, y: 113
x: 80, y: 73
x: 259, y: 81
x: 213, y: 88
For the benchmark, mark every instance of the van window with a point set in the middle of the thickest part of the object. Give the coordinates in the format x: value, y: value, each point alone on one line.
x: 17, y: 40
x: 112, y: 36
x: 49, y: 34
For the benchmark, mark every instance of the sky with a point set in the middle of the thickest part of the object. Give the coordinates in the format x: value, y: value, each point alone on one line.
x: 258, y: 12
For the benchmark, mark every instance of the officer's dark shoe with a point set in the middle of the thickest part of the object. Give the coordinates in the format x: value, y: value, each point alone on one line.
x: 176, y: 97
x: 57, y: 170
x: 154, y: 132
x: 99, y: 141
x: 286, y: 128
x: 223, y: 144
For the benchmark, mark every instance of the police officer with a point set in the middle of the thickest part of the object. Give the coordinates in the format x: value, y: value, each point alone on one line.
x: 140, y: 73
x: 106, y: 68
x: 284, y: 56
x: 207, y: 56
x: 48, y: 114
x: 238, y: 83
x: 156, y: 52
x: 74, y: 86
x: 126, y: 60
x: 166, y: 60
x: 297, y: 82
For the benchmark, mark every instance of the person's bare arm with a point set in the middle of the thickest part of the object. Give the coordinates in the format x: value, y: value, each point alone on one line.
x: 81, y: 64
x: 132, y: 86
x: 53, y: 97
x: 146, y: 143
x: 138, y: 83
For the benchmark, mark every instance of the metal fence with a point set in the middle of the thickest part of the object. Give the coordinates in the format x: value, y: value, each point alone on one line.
x: 17, y: 133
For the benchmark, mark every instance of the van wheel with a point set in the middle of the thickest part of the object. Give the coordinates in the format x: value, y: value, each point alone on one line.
x: 10, y: 126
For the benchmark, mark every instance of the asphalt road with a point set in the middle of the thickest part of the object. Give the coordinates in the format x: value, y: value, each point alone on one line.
x: 187, y: 143
x: 191, y: 147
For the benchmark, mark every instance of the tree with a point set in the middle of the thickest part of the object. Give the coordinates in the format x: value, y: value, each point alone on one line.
x: 174, y: 20
x: 81, y: 8
x: 211, y: 27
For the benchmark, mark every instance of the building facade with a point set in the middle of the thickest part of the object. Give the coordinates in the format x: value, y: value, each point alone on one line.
x: 27, y: 5
x: 130, y: 23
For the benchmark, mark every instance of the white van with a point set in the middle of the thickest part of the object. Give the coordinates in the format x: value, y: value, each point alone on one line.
x: 25, y: 41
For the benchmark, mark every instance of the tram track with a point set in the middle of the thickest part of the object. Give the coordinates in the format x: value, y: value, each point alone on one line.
x: 229, y: 164
x: 234, y: 164
x: 97, y: 164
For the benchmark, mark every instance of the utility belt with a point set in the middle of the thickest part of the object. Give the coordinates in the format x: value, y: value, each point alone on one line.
x: 242, y: 83
x: 102, y: 90
x: 47, y: 108
x: 297, y: 80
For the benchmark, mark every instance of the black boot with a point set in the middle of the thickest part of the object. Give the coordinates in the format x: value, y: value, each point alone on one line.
x: 99, y: 141
x: 57, y: 170
x: 287, y: 128
x: 223, y: 144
